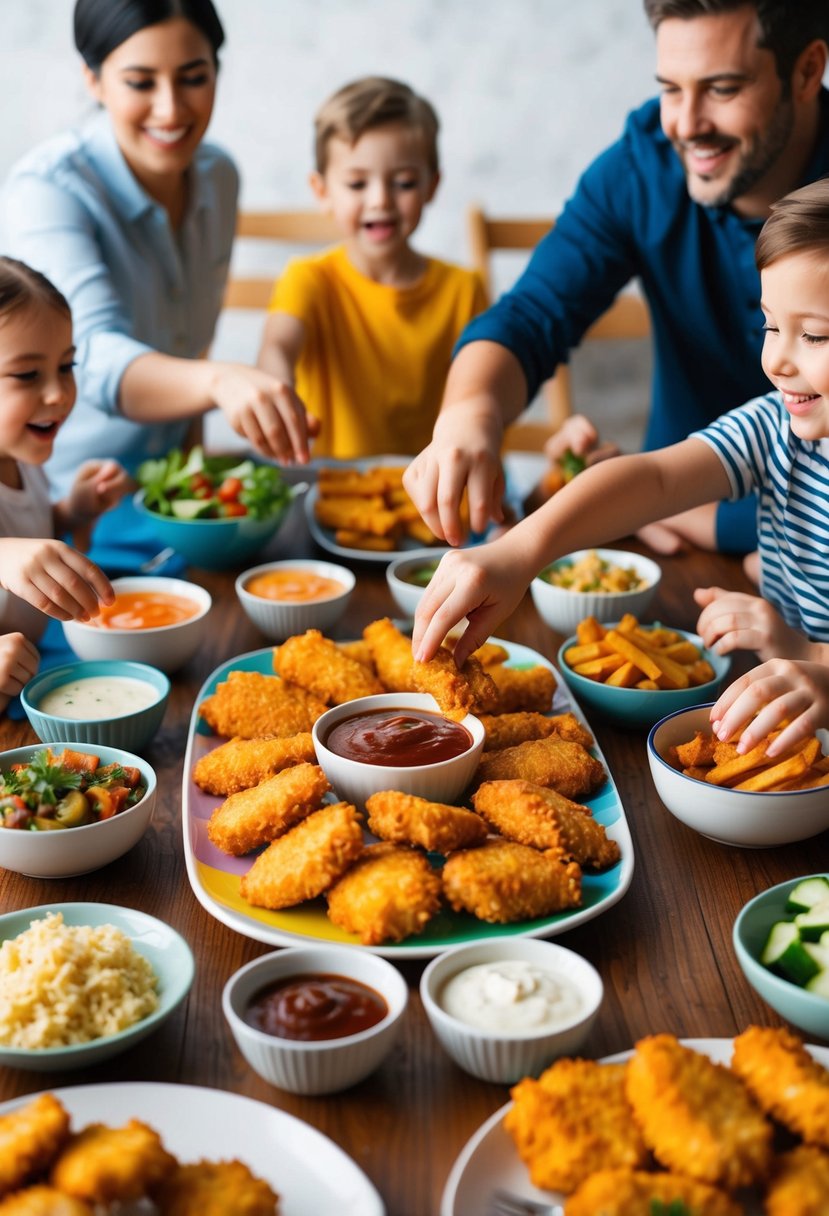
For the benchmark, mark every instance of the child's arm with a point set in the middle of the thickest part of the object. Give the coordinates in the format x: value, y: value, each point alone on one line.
x: 18, y: 663
x: 793, y: 690
x: 99, y: 485
x: 53, y: 577
x: 610, y: 499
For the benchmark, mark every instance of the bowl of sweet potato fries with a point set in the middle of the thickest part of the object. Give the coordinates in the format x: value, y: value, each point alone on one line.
x: 634, y: 674
x: 748, y: 800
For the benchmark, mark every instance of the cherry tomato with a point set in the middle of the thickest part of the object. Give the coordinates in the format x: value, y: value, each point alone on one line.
x: 227, y: 509
x: 230, y: 489
x: 201, y: 486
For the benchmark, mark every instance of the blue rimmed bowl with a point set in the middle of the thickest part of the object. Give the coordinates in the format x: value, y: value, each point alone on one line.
x: 130, y: 731
x: 214, y: 544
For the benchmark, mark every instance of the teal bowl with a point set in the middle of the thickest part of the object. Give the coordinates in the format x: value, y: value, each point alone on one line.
x: 130, y: 731
x: 640, y: 708
x: 167, y: 952
x: 214, y: 544
x: 803, y: 1009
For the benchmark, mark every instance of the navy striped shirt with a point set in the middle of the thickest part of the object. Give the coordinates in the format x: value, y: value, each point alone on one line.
x: 791, y: 476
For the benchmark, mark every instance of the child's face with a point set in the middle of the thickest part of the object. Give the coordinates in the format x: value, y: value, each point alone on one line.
x: 796, y: 348
x: 376, y: 190
x: 37, y: 384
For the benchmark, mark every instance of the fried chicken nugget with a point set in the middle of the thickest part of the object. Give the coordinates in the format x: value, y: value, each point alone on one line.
x: 458, y: 691
x: 633, y: 1192
x: 112, y: 1164
x: 785, y: 1080
x: 30, y: 1138
x: 360, y: 651
x: 392, y: 654
x: 376, y: 521
x: 490, y: 654
x: 501, y: 882
x: 43, y: 1201
x: 216, y: 1188
x: 696, y: 1116
x: 544, y: 819
x: 508, y: 730
x: 388, y: 894
x: 557, y: 763
x: 799, y: 1185
x: 266, y: 811
x: 316, y: 664
x: 528, y: 688
x: 407, y: 819
x: 250, y: 705
x: 305, y: 861
x: 242, y: 763
x: 575, y: 1119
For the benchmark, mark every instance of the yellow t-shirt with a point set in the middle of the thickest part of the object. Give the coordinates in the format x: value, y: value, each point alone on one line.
x: 374, y: 361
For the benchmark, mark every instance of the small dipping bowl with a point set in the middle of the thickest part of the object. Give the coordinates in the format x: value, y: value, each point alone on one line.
x: 315, y: 1066
x: 282, y: 618
x: 401, y: 576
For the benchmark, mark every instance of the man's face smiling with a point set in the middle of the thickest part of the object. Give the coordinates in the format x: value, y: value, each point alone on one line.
x: 723, y: 105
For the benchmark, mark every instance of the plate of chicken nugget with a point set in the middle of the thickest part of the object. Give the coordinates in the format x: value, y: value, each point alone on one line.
x: 614, y: 1133
x: 274, y: 854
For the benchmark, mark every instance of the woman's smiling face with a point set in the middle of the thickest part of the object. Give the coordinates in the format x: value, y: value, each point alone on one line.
x: 158, y: 87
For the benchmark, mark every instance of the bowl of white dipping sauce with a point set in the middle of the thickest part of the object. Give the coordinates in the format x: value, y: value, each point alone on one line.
x: 111, y: 702
x: 505, y: 1008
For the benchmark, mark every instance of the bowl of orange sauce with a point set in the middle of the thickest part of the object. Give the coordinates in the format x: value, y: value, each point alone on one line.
x: 155, y: 620
x: 288, y: 597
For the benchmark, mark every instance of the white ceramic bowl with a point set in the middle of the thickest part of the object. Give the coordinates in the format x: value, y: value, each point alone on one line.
x: 562, y: 609
x: 355, y: 780
x: 167, y: 647
x: 167, y: 952
x: 280, y: 619
x: 407, y: 595
x: 320, y: 1066
x: 501, y: 1056
x: 70, y: 851
x: 738, y: 817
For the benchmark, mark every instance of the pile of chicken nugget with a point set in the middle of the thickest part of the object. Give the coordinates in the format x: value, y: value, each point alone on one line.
x: 515, y: 851
x: 47, y: 1170
x: 672, y: 1131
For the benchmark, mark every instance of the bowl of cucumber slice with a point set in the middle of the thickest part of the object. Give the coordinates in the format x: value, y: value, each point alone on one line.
x: 781, y: 938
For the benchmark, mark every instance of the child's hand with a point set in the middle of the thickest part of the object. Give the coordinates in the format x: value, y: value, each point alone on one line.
x: 576, y: 434
x: 18, y: 663
x: 731, y: 620
x: 54, y: 578
x: 265, y: 411
x: 779, y: 690
x: 99, y: 485
x: 484, y: 585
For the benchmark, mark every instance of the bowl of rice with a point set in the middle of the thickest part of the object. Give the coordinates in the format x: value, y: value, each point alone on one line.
x: 81, y: 982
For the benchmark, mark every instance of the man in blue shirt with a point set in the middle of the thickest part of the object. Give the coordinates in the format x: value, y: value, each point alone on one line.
x: 678, y: 201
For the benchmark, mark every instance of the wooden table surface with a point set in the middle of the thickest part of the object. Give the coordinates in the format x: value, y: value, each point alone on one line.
x: 664, y: 951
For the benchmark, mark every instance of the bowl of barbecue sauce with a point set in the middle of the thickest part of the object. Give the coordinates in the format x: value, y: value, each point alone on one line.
x: 397, y: 741
x: 316, y: 1019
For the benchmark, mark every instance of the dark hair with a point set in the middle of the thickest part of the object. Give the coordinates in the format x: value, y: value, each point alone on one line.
x: 20, y: 286
x: 798, y: 222
x: 786, y: 26
x: 364, y: 105
x: 102, y: 25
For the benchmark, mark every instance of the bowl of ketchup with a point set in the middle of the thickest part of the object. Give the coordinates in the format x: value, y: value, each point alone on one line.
x: 397, y: 741
x: 315, y: 1019
x: 155, y: 620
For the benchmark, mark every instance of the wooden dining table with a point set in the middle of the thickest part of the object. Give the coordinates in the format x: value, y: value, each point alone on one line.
x: 664, y: 951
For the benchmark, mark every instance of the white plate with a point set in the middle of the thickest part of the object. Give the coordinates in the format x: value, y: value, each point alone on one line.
x: 311, y: 1174
x: 489, y: 1160
x: 214, y: 876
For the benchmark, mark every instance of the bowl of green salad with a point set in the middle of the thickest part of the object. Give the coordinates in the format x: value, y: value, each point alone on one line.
x: 218, y: 512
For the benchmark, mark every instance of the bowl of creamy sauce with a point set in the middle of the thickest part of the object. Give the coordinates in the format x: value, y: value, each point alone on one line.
x: 89, y: 697
x: 512, y: 996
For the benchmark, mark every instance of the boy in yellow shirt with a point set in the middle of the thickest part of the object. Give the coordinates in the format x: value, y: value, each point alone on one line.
x: 364, y: 331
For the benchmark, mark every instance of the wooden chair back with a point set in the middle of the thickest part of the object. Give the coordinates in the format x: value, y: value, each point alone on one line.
x: 289, y: 227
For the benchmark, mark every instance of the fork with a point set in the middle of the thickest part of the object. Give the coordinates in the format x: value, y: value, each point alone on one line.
x: 505, y: 1203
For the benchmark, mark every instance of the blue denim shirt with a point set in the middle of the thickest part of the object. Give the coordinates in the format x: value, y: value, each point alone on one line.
x: 631, y: 215
x: 73, y: 209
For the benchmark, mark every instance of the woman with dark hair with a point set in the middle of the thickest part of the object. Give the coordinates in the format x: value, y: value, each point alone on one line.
x: 132, y: 217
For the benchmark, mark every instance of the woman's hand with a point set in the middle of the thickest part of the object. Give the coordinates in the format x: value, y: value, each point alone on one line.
x: 265, y: 411
x: 18, y: 663
x: 781, y: 690
x: 53, y: 577
x: 731, y: 620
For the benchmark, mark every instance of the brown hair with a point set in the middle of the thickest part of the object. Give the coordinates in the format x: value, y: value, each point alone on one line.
x: 20, y: 286
x: 786, y: 27
x: 364, y: 105
x: 798, y: 222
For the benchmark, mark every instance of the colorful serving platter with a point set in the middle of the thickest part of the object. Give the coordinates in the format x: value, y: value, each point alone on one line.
x: 215, y: 877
